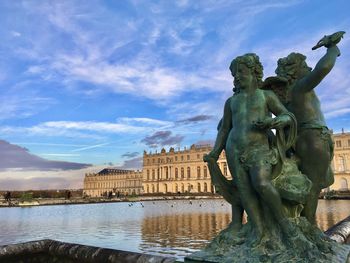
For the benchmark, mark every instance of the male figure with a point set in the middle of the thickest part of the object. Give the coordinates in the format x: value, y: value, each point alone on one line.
x: 244, y: 133
x: 314, y: 144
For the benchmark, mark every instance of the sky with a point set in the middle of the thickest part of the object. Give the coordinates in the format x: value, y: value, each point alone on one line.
x: 90, y: 84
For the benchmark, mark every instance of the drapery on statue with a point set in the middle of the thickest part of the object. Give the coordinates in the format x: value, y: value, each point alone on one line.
x: 267, y: 183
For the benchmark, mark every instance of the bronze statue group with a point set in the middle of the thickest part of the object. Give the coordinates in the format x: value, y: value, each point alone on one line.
x: 277, y: 176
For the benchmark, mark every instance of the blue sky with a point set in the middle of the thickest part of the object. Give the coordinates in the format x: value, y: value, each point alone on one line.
x: 99, y: 82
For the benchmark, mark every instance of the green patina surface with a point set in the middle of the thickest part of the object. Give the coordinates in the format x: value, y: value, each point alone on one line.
x: 277, y: 177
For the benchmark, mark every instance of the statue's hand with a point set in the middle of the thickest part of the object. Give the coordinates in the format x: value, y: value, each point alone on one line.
x: 263, y: 124
x: 280, y: 121
x: 330, y: 41
x: 210, y: 156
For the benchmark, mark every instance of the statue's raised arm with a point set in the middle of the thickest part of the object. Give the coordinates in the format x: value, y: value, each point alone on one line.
x: 324, y: 65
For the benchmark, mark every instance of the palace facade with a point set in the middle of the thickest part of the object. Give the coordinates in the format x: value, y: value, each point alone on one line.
x: 341, y: 162
x: 183, y: 171
x: 117, y: 181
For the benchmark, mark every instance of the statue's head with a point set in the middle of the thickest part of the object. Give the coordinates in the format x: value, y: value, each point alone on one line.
x: 246, y: 69
x: 292, y: 67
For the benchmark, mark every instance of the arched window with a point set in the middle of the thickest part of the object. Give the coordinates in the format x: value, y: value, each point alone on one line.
x: 153, y: 175
x: 147, y: 189
x: 205, y: 188
x: 165, y: 188
x: 188, y: 172
x: 147, y: 174
x: 152, y: 188
x: 205, y: 172
x: 176, y: 188
x: 182, y: 172
x: 182, y: 188
x: 176, y: 173
x: 344, y: 184
x: 199, y: 187
x: 166, y: 172
x: 198, y: 172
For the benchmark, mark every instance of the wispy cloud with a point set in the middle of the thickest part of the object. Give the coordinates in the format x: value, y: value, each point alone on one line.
x: 36, y: 179
x: 162, y: 138
x: 90, y: 147
x: 88, y: 129
x: 60, y: 154
x: 16, y: 107
x: 195, y: 119
x: 16, y: 157
x: 146, y: 74
x: 130, y: 154
x: 145, y: 121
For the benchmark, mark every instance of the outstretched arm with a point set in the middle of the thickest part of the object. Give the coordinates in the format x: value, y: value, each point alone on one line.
x: 323, y: 67
x: 224, y: 130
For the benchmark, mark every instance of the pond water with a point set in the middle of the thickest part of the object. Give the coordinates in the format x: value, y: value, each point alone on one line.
x: 169, y: 228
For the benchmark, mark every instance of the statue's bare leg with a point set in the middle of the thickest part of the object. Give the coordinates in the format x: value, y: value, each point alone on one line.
x: 248, y: 196
x: 261, y: 180
x: 314, y: 163
x: 237, y: 215
x: 237, y: 208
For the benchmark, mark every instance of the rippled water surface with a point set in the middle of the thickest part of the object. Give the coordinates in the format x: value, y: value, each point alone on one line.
x: 173, y: 228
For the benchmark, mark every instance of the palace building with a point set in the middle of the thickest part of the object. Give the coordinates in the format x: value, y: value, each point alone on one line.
x: 183, y: 171
x: 341, y: 162
x: 117, y: 181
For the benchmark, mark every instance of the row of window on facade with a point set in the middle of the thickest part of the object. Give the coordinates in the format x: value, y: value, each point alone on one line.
x: 171, y: 159
x: 113, y: 177
x: 338, y: 143
x: 154, y: 188
x: 182, y: 172
x: 92, y: 185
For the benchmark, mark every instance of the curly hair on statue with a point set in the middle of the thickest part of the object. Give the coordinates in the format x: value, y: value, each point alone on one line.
x: 252, y: 61
x: 290, y: 67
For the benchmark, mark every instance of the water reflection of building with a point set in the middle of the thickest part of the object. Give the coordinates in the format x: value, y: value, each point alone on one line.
x: 124, y: 182
x: 330, y: 212
x: 180, y: 230
x: 183, y: 171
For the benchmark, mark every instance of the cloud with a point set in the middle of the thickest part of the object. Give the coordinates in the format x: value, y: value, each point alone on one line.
x: 16, y: 157
x: 162, y: 138
x: 15, y: 107
x: 35, y: 183
x: 15, y: 34
x: 90, y: 147
x: 144, y: 121
x: 41, y: 180
x: 195, y: 119
x: 81, y: 129
x: 205, y: 142
x: 130, y: 154
x: 133, y: 163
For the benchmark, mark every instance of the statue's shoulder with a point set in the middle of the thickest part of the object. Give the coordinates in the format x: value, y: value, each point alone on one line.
x: 276, y: 86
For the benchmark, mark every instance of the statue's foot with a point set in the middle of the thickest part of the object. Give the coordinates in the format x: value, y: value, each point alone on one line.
x: 325, y: 245
x: 258, y: 241
x: 236, y: 237
x: 300, y: 242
